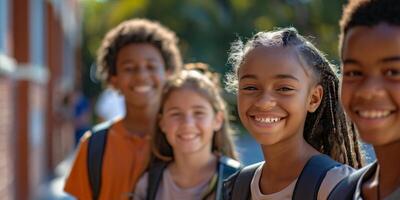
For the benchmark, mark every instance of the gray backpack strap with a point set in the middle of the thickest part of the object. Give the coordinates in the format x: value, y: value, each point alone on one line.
x: 155, y: 175
x: 96, y: 147
x: 226, y: 167
x: 311, y: 177
x: 346, y: 188
x: 241, y: 186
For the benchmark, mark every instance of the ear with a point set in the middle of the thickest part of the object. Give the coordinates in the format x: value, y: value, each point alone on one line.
x: 218, y: 121
x: 315, y: 98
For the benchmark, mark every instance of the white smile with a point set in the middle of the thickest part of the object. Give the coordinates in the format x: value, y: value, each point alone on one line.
x: 187, y: 136
x: 374, y: 114
x: 267, y: 120
x: 142, y: 89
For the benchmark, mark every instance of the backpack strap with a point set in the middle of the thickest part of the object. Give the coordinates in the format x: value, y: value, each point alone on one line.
x: 241, y: 186
x: 226, y: 167
x: 155, y: 175
x: 96, y: 146
x: 311, y: 177
x: 346, y: 188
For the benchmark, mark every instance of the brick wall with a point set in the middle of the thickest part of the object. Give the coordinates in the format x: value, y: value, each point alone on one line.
x: 6, y: 142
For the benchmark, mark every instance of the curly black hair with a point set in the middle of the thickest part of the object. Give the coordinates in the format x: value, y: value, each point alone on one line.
x: 368, y: 13
x: 327, y: 129
x: 137, y: 31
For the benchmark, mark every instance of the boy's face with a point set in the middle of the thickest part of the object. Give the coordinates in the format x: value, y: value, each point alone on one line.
x: 371, y: 82
x: 140, y: 74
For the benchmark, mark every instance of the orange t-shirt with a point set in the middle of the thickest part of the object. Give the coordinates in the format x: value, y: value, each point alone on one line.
x: 125, y: 158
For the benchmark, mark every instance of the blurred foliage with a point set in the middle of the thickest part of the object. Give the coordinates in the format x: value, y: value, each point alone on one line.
x: 207, y: 27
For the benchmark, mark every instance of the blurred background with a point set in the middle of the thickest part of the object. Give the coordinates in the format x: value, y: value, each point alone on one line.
x: 49, y: 94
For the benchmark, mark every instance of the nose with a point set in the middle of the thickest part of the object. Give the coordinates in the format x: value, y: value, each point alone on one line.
x: 265, y: 102
x: 141, y: 72
x: 370, y: 88
x: 188, y: 120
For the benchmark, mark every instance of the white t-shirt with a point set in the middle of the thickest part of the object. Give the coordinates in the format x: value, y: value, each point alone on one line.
x: 168, y: 190
x: 333, y: 177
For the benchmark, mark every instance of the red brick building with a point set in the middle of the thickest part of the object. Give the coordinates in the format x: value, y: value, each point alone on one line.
x: 39, y: 57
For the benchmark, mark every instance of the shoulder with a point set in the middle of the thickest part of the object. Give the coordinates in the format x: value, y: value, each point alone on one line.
x: 141, y: 187
x: 349, y: 186
x: 332, y: 178
x: 143, y: 182
x: 240, y: 179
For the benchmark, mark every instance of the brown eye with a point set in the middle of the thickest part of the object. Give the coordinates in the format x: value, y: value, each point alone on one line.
x: 284, y: 89
x: 392, y: 72
x: 352, y: 73
x: 249, y: 88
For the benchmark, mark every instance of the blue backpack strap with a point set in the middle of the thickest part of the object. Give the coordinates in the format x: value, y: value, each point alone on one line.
x: 346, y: 188
x: 241, y: 186
x: 311, y: 177
x: 155, y: 175
x: 226, y: 167
x: 96, y: 146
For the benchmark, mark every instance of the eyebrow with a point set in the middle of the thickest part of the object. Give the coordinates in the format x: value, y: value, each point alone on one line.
x: 390, y: 59
x: 286, y: 76
x: 383, y: 60
x: 350, y: 61
x: 278, y: 76
x: 194, y: 107
x: 248, y: 76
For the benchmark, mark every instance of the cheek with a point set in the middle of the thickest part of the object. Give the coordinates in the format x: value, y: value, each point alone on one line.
x: 243, y: 103
x: 394, y: 89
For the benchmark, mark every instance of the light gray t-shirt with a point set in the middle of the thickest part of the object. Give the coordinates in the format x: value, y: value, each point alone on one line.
x: 168, y: 190
x: 333, y: 177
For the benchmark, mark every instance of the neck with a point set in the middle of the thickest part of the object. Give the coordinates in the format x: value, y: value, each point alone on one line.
x: 140, y: 120
x: 291, y: 154
x: 389, y: 165
x: 196, y: 166
x: 285, y: 154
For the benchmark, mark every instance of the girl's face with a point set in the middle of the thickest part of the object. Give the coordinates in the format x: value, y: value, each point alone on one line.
x: 275, y: 94
x: 189, y: 122
x: 140, y: 74
x: 371, y: 82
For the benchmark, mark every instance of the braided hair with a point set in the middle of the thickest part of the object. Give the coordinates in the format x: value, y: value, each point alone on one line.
x: 327, y: 129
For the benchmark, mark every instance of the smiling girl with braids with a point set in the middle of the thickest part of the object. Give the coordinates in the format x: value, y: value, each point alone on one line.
x: 288, y: 101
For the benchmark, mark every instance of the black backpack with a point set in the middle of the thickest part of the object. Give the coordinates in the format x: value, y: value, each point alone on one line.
x: 226, y: 167
x: 237, y: 187
x: 347, y: 187
x: 96, y: 146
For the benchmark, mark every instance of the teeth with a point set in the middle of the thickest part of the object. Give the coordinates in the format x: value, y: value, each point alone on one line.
x: 187, y: 136
x: 268, y: 119
x: 374, y: 114
x: 142, y: 88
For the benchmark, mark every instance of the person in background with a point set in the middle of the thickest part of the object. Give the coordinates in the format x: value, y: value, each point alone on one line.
x: 194, y: 140
x: 135, y: 58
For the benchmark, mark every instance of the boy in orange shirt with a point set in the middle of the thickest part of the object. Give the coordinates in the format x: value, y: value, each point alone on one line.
x: 135, y: 58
